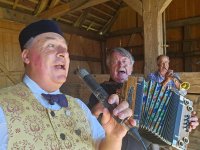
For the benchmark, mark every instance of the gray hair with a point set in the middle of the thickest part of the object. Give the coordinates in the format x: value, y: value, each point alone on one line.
x: 123, y: 52
x: 28, y: 43
x: 161, y: 56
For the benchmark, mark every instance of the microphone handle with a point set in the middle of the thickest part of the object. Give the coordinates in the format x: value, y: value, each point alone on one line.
x: 101, y: 95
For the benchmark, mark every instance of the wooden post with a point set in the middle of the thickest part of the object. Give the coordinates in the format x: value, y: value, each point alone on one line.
x: 103, y: 56
x: 187, y: 48
x: 153, y: 32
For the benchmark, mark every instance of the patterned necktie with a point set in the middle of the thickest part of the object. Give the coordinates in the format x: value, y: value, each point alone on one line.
x: 60, y: 99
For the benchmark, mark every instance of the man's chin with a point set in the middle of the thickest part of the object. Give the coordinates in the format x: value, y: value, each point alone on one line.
x: 121, y: 80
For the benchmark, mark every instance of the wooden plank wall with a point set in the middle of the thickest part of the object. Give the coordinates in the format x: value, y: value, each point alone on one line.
x: 182, y: 41
x: 11, y: 67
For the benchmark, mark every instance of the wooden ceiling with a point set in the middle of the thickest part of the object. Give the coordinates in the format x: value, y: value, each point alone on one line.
x: 90, y: 15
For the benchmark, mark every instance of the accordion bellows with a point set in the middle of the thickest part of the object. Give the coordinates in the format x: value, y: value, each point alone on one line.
x: 162, y: 114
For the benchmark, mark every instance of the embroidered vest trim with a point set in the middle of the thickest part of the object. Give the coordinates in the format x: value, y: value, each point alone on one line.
x: 31, y: 126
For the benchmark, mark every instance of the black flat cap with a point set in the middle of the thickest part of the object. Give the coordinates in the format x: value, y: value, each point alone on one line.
x: 37, y: 28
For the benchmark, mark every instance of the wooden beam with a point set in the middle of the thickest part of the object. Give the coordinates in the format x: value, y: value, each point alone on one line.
x: 153, y: 35
x: 15, y: 4
x: 70, y: 7
x: 97, y: 17
x: 183, y: 22
x: 7, y: 74
x: 162, y: 5
x: 61, y: 9
x: 16, y: 16
x: 124, y: 32
x: 103, y: 56
x: 102, y: 12
x: 42, y: 5
x: 170, y: 24
x: 90, y: 3
x: 81, y: 19
x: 187, y: 49
x: 109, y: 7
x: 53, y: 3
x: 89, y: 28
x: 18, y: 5
x: 109, y: 23
x: 26, y: 19
x: 88, y: 34
x: 135, y: 5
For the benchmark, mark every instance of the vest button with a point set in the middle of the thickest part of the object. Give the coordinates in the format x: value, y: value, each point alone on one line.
x: 62, y: 136
x: 52, y: 113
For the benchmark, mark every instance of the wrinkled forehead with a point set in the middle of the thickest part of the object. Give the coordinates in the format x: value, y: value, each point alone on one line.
x: 119, y: 56
x: 163, y: 59
x: 50, y: 36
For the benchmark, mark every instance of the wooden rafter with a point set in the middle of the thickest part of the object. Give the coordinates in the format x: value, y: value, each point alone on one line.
x: 61, y: 9
x: 162, y: 5
x: 53, y: 3
x: 135, y: 5
x: 94, y: 23
x: 101, y: 11
x: 15, y: 4
x: 110, y: 23
x: 42, y: 4
x: 26, y: 19
x: 116, y: 2
x: 90, y: 26
x: 109, y: 7
x: 70, y: 6
x: 94, y: 16
x: 18, y: 5
x: 81, y: 19
x: 90, y: 3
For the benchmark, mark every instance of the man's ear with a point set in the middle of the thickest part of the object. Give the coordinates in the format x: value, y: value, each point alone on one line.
x: 25, y: 56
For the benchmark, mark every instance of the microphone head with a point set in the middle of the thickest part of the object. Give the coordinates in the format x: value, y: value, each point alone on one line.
x: 81, y: 72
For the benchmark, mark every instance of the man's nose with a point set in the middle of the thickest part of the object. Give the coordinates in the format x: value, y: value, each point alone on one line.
x: 62, y: 52
x: 121, y: 63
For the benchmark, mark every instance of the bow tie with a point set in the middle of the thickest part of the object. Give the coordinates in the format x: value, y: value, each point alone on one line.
x: 60, y: 99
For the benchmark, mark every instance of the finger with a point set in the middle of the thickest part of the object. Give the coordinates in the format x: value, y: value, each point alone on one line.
x: 122, y: 106
x: 97, y: 109
x: 125, y: 114
x: 194, y: 113
x: 132, y: 122
x: 194, y: 119
x: 106, y: 118
x: 194, y: 124
x: 113, y: 99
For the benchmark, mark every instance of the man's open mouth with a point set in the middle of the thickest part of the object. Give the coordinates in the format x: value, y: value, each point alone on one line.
x: 60, y: 66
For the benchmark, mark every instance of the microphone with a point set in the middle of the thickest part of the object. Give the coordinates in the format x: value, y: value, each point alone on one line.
x: 103, y: 96
x: 100, y: 94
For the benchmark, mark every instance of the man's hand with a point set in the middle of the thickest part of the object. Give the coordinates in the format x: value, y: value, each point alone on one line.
x: 193, y: 121
x: 114, y: 131
x: 122, y: 111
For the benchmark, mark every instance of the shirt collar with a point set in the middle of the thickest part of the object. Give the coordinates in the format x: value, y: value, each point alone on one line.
x: 35, y: 88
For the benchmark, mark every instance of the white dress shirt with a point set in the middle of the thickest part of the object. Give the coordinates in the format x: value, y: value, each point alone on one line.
x: 96, y: 129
